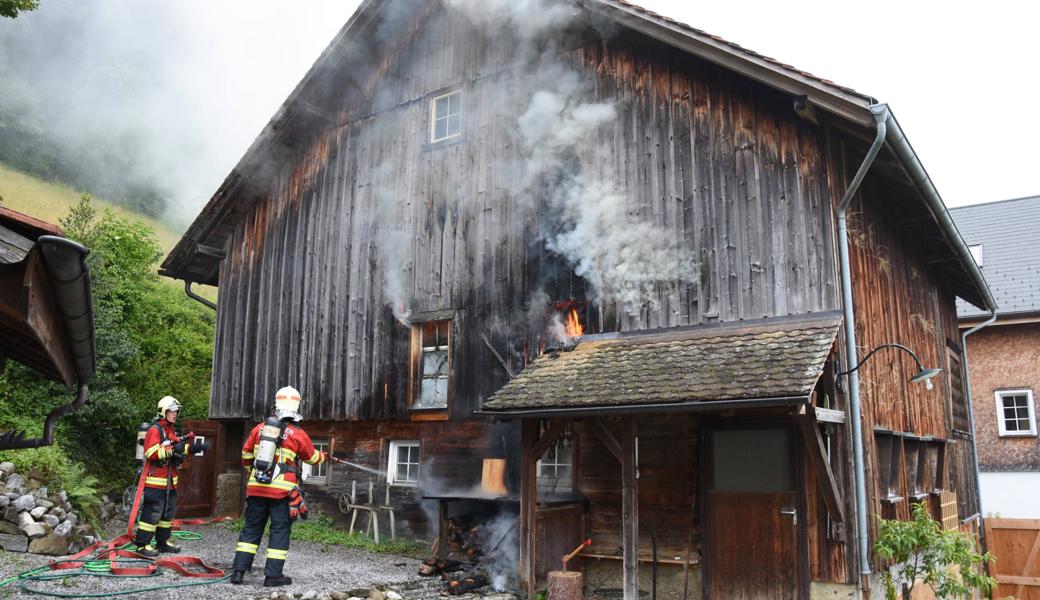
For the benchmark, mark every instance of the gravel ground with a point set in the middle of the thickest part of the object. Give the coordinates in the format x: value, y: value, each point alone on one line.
x: 318, y: 568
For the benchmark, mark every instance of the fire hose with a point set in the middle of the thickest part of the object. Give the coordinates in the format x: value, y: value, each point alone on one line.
x: 114, y: 559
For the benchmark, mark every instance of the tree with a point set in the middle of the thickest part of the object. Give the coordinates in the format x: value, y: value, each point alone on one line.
x: 922, y: 551
x: 10, y: 8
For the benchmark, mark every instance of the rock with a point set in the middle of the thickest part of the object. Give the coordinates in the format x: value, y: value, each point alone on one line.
x: 355, y: 598
x: 47, y: 504
x: 36, y: 474
x: 25, y: 520
x: 309, y: 595
x: 14, y: 542
x: 392, y: 595
x: 83, y: 529
x: 63, y: 529
x: 36, y: 530
x: 14, y: 480
x: 339, y: 595
x: 11, y: 514
x: 57, y: 511
x: 34, y: 484
x: 7, y: 467
x: 51, y: 545
x: 38, y: 512
x: 41, y: 493
x: 375, y: 594
x: 72, y: 518
x: 4, y: 501
x: 24, y: 503
x: 9, y: 528
x: 63, y: 496
x: 79, y: 545
x: 67, y: 506
x: 52, y: 521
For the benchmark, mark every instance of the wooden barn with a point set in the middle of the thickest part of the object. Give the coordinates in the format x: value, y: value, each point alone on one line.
x: 449, y: 186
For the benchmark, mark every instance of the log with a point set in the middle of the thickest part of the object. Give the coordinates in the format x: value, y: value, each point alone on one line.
x: 564, y: 585
x: 493, y: 477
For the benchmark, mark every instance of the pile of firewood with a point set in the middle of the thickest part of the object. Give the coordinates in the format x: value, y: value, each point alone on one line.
x: 463, y: 541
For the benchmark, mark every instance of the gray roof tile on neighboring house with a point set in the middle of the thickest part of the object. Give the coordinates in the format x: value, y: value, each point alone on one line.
x: 771, y: 360
x: 1009, y: 232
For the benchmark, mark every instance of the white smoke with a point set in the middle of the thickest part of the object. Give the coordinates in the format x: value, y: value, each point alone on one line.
x: 393, y: 246
x: 500, y: 541
x: 622, y: 255
x: 526, y: 19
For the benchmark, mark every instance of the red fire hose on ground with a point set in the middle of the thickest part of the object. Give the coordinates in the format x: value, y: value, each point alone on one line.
x: 113, y: 559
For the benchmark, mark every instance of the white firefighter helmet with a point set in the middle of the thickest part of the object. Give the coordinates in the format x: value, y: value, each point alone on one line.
x: 287, y: 404
x: 168, y: 403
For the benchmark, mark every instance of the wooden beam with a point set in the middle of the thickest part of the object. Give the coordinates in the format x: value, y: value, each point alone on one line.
x: 818, y: 456
x: 528, y: 502
x: 600, y: 431
x: 629, y: 511
x: 830, y: 415
x: 556, y: 429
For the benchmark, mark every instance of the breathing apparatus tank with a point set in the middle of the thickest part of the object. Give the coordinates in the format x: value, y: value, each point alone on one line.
x: 142, y: 431
x: 263, y: 461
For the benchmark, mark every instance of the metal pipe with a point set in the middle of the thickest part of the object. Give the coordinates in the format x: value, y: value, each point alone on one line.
x: 880, y: 114
x: 196, y: 297
x: 971, y: 418
x: 15, y: 440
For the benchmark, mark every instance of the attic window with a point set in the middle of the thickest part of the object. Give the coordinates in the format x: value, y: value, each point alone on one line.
x: 446, y: 116
x: 976, y: 253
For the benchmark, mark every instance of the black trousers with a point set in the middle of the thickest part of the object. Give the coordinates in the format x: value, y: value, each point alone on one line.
x: 258, y: 511
x: 157, y: 510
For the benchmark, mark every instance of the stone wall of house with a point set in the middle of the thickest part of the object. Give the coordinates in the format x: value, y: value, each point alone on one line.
x: 1004, y: 357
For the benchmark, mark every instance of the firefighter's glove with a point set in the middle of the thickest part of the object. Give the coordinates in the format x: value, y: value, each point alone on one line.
x: 297, y: 505
x: 197, y: 446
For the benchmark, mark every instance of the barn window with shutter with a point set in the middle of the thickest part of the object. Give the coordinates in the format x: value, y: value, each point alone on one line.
x: 958, y: 399
x: 431, y: 368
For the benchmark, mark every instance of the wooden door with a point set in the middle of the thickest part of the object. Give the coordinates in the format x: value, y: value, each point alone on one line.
x: 197, y: 481
x: 752, y: 516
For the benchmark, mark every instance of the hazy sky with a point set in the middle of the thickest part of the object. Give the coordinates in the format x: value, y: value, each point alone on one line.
x: 962, y: 82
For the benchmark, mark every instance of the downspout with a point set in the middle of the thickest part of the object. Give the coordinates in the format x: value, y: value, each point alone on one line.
x: 971, y: 418
x: 880, y: 114
x: 196, y: 297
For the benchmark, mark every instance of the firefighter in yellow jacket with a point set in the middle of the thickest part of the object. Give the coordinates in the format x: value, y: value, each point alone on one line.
x: 164, y: 450
x: 272, y: 453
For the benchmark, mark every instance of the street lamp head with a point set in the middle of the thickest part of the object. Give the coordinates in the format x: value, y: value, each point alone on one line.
x: 926, y: 375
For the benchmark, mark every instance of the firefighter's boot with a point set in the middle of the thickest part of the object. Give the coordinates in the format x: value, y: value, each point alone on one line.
x: 147, y: 551
x: 236, y: 577
x: 277, y: 581
x: 167, y: 548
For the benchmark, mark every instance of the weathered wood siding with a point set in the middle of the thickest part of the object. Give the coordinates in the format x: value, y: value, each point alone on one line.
x: 721, y: 163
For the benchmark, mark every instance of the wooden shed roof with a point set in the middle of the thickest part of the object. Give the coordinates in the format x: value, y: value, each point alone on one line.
x: 769, y: 360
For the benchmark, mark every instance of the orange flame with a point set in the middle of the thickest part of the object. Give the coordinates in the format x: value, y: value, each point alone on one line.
x: 574, y: 328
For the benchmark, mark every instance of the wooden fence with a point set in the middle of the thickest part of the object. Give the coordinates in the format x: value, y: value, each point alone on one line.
x: 1015, y: 543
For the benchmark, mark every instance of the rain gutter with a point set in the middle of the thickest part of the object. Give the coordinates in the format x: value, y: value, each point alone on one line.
x: 69, y: 277
x: 971, y: 417
x: 196, y: 297
x: 880, y: 113
x: 692, y: 406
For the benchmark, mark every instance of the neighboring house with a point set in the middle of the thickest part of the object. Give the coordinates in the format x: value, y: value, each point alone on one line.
x: 446, y: 188
x: 46, y: 314
x: 1004, y: 357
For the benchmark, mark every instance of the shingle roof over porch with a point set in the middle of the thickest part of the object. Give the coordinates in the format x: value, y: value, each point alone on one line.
x: 698, y: 364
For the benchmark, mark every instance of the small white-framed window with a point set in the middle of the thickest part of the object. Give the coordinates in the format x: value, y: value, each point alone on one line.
x: 199, y: 441
x: 446, y: 116
x: 556, y: 468
x: 1016, y: 414
x: 318, y: 473
x: 976, y: 253
x: 403, y: 467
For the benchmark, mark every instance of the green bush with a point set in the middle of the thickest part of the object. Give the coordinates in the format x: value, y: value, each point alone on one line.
x: 322, y: 529
x: 922, y: 551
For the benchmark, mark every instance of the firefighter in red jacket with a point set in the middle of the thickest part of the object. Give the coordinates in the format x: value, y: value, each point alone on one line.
x: 164, y: 450
x: 272, y: 453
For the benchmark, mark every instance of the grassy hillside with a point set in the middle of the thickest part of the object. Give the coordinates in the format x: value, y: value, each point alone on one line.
x: 51, y: 201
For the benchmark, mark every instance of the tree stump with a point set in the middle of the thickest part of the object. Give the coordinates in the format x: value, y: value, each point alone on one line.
x: 565, y: 585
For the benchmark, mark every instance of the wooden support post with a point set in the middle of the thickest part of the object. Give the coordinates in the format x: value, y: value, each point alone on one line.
x: 817, y: 450
x: 528, y: 502
x: 629, y: 510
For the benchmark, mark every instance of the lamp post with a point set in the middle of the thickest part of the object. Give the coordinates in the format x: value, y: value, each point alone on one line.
x: 923, y: 374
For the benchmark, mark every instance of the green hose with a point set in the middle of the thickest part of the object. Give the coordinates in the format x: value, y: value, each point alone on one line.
x: 102, y: 568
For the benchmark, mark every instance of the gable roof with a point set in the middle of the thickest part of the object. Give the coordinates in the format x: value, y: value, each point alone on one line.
x: 196, y: 257
x: 1009, y: 233
x: 679, y: 366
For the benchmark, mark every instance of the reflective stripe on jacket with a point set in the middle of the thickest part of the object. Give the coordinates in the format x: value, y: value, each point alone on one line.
x: 296, y: 445
x: 158, y: 455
